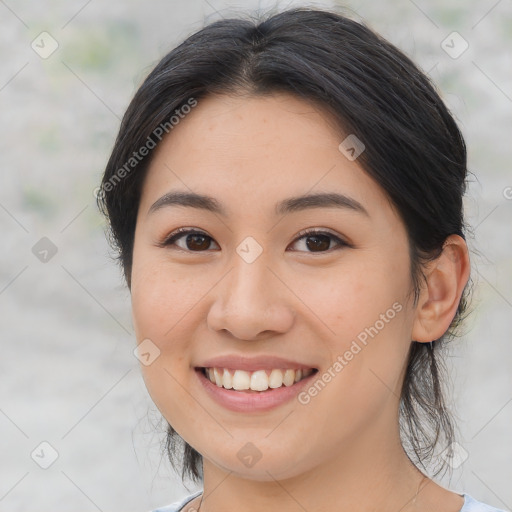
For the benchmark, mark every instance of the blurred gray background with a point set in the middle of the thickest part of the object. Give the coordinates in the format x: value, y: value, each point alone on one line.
x: 68, y: 374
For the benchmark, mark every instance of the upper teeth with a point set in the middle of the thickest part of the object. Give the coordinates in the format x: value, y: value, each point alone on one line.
x: 256, y: 381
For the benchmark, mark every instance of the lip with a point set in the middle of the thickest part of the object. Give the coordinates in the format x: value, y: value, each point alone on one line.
x: 252, y: 364
x: 255, y: 401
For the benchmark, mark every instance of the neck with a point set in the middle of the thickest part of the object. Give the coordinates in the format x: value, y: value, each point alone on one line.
x: 370, y: 476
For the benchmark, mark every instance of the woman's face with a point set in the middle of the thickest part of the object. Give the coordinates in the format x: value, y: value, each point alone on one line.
x: 254, y: 290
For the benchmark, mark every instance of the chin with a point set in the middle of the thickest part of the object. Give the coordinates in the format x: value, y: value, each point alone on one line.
x: 263, y: 465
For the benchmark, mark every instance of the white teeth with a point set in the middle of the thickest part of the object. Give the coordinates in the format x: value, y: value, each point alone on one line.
x: 227, y: 380
x: 241, y: 380
x: 218, y: 377
x: 289, y: 377
x: 276, y: 379
x: 259, y: 380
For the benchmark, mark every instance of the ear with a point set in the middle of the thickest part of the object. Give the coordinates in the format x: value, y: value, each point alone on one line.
x: 439, y: 298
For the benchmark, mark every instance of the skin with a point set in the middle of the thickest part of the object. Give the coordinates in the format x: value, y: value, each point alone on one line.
x: 340, y: 451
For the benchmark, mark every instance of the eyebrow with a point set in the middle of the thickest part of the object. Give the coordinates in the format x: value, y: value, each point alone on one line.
x: 292, y: 204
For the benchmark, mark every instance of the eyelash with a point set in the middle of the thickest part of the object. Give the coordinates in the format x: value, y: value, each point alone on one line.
x: 180, y: 233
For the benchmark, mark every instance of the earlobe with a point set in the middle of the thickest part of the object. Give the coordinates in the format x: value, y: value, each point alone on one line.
x: 439, y: 299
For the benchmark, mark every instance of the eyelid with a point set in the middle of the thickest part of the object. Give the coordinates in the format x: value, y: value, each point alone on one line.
x: 175, y: 235
x: 181, y: 232
x: 340, y: 241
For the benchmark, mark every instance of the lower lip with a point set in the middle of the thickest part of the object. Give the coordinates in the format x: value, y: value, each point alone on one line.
x: 240, y: 401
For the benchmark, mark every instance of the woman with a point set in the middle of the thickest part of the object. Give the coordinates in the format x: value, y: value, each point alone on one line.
x: 286, y: 199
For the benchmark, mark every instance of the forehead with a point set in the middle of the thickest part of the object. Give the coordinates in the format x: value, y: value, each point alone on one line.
x: 254, y: 151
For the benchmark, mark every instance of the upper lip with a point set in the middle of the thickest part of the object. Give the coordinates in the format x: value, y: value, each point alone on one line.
x: 251, y: 364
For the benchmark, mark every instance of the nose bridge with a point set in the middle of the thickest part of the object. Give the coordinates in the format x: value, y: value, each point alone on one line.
x: 249, y: 301
x: 249, y: 284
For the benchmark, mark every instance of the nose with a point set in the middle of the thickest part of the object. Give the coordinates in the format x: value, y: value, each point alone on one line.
x: 251, y: 302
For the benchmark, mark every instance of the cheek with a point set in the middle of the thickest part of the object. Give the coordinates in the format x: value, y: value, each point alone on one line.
x: 160, y: 303
x: 364, y: 309
x: 161, y: 298
x: 351, y: 298
x: 151, y: 308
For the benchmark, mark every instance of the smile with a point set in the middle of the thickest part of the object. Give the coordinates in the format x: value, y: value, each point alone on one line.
x: 255, y: 391
x: 259, y: 380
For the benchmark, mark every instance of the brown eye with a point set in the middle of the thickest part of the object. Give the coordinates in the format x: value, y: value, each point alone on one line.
x: 195, y: 241
x: 316, y: 241
x: 319, y: 241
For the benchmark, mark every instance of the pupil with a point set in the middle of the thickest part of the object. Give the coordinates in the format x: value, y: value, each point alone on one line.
x: 203, y: 245
x: 318, y: 243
